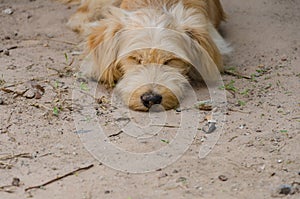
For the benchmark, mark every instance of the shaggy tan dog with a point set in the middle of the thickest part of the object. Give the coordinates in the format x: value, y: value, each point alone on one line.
x: 150, y: 49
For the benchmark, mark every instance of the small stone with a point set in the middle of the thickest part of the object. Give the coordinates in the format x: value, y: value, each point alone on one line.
x: 1, y: 101
x: 181, y: 179
x: 223, y: 178
x: 15, y: 182
x: 6, y: 52
x: 49, y: 35
x: 284, y: 189
x: 210, y: 127
x: 8, y: 11
x: 7, y: 37
x: 178, y: 110
x: 162, y: 175
x: 107, y: 192
x: 279, y: 161
x: 284, y: 58
x: 30, y: 94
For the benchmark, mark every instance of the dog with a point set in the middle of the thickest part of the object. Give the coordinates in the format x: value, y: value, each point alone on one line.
x: 150, y: 50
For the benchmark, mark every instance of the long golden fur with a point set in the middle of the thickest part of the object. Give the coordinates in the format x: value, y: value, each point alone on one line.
x: 151, y: 48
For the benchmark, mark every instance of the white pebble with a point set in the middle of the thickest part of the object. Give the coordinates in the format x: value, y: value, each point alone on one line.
x: 8, y: 11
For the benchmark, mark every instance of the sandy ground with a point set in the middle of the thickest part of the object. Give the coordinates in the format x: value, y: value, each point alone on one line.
x: 257, y: 155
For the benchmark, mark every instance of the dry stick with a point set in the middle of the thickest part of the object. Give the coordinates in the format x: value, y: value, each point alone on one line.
x: 6, y: 188
x: 236, y: 74
x: 61, y: 41
x: 59, y: 178
x: 21, y: 155
x: 4, y: 166
x: 6, y: 90
x: 10, y: 48
x: 236, y: 110
x: 115, y: 134
x: 167, y: 126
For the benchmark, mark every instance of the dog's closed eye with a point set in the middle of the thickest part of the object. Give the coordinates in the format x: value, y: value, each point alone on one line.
x: 135, y: 59
x: 174, y: 61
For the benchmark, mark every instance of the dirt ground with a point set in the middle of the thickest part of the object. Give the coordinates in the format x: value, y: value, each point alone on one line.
x: 257, y: 156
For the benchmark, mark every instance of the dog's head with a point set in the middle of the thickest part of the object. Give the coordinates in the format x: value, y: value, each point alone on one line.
x: 150, y: 54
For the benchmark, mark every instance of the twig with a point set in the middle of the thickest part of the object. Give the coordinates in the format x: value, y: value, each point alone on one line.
x: 236, y: 110
x: 61, y: 41
x: 5, y: 165
x: 59, y: 178
x: 167, y: 126
x: 230, y: 140
x: 21, y: 155
x: 10, y: 48
x: 228, y: 72
x: 6, y: 90
x: 6, y: 188
x: 71, y: 62
x: 36, y: 105
x: 115, y: 134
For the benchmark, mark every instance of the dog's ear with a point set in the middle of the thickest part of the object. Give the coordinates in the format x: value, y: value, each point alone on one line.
x: 202, y: 37
x: 193, y: 23
x: 102, y: 51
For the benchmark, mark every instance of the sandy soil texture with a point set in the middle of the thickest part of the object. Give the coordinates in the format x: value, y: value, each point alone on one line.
x: 257, y: 155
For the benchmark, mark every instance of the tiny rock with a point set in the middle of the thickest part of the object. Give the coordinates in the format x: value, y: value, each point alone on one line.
x: 284, y: 189
x: 16, y: 182
x: 284, y: 58
x: 223, y: 178
x: 162, y: 175
x: 29, y: 94
x: 6, y: 52
x: 181, y: 179
x: 8, y: 11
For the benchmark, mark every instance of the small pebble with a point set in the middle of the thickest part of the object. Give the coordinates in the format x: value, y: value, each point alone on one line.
x: 181, y: 179
x: 284, y: 58
x: 210, y: 127
x: 284, y: 189
x: 162, y: 175
x: 49, y: 35
x: 178, y: 110
x: 8, y: 11
x: 279, y: 161
x: 1, y: 101
x: 29, y: 94
x: 15, y: 182
x: 6, y: 52
x: 107, y: 192
x: 223, y: 178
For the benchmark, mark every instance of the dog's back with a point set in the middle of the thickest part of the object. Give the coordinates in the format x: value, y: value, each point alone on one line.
x: 92, y: 10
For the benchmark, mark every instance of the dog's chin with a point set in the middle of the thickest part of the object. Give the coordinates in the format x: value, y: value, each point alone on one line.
x: 152, y: 87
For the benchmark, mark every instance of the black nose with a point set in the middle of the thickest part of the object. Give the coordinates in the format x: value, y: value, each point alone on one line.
x: 149, y: 99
